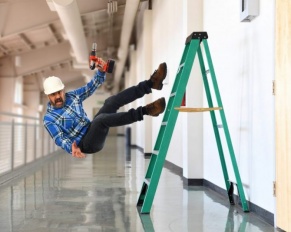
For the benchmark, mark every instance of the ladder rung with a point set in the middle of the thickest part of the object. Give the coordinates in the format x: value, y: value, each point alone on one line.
x: 231, y: 181
x: 180, y: 66
x: 164, y: 123
x: 173, y: 94
x: 147, y: 181
x: 155, y: 152
x: 219, y: 126
x: 207, y: 71
x: 235, y: 183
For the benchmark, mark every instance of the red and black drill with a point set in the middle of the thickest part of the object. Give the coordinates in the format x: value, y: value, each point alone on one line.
x: 95, y: 61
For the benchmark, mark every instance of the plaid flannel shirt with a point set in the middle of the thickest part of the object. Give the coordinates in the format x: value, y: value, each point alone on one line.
x: 70, y: 123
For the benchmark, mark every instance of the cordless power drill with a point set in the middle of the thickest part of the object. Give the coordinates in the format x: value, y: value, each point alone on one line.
x: 95, y: 61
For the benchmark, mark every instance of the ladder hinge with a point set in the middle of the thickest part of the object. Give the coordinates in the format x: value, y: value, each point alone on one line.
x: 274, y: 188
x: 274, y: 88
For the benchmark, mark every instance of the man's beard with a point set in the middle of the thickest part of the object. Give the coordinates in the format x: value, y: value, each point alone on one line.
x: 58, y: 103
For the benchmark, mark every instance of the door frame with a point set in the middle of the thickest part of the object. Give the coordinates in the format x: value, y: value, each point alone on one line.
x: 283, y: 113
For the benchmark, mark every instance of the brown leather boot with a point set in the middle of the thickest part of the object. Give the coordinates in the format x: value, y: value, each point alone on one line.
x: 158, y: 76
x: 157, y: 107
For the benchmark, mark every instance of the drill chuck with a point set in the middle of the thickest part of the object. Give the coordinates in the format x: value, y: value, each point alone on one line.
x: 92, y: 56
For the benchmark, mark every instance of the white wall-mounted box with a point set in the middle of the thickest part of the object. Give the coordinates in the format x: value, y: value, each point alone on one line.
x: 249, y: 9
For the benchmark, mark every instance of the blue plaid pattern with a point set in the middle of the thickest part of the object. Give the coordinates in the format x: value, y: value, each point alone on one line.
x: 70, y: 123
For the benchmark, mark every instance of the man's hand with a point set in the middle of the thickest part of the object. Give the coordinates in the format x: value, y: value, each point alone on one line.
x: 76, y: 151
x: 101, y: 64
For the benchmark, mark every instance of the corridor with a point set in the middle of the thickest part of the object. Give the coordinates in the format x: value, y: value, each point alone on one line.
x: 99, y: 193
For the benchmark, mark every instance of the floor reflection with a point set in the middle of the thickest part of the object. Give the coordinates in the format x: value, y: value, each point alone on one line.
x: 146, y: 222
x: 100, y: 193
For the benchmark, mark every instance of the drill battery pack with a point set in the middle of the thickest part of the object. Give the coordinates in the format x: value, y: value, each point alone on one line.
x: 110, y: 65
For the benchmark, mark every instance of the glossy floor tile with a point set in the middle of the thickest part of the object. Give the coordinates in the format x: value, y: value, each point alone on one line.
x: 99, y: 193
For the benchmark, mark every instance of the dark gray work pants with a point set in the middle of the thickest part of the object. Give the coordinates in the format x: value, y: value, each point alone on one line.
x: 94, y: 139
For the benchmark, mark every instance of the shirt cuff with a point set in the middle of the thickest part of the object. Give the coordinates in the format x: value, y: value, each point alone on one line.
x: 99, y: 73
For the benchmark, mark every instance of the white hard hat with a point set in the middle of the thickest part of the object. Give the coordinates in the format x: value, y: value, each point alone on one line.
x: 52, y: 84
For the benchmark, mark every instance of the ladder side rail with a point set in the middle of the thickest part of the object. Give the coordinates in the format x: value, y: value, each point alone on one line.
x: 165, y: 118
x: 181, y: 84
x: 225, y: 126
x: 161, y: 133
x: 158, y: 165
x: 214, y: 121
x: 151, y: 165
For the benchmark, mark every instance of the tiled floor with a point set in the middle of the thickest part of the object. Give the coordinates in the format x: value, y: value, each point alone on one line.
x: 99, y: 193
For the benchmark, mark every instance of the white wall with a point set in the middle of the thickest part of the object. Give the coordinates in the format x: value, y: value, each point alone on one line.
x: 243, y: 57
x: 168, y: 44
x: 172, y: 24
x: 192, y: 123
x: 144, y: 63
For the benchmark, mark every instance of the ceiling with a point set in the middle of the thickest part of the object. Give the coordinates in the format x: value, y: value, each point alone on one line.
x: 39, y: 38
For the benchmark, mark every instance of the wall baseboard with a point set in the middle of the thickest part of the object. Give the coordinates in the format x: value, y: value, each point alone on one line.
x: 193, y: 182
x: 147, y: 155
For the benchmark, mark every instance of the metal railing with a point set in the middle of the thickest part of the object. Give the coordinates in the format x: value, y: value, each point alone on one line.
x: 23, y: 140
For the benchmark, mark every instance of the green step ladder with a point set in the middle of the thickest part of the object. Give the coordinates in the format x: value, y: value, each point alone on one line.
x: 193, y: 45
